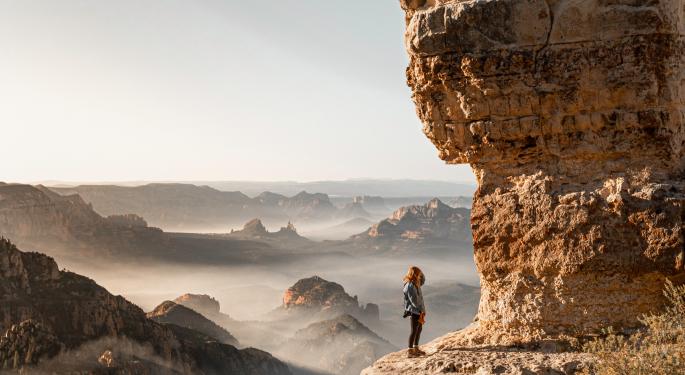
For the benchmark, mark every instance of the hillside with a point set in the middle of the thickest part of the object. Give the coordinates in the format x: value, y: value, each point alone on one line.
x: 46, y: 312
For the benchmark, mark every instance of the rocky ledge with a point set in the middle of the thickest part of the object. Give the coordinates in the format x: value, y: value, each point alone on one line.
x: 455, y: 353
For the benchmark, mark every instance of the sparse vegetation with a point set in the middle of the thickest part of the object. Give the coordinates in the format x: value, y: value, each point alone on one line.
x: 658, y: 348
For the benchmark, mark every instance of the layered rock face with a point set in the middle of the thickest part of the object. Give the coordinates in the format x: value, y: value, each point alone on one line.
x: 571, y: 116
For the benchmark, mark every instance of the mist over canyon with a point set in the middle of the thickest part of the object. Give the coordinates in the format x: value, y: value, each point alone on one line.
x: 236, y: 285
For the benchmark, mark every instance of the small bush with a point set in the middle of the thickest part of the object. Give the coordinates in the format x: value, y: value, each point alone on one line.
x: 658, y: 348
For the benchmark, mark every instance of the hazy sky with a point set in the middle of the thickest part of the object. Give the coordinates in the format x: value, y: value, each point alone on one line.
x: 208, y: 90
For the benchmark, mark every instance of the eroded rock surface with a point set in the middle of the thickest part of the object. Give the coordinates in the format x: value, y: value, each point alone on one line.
x: 571, y: 116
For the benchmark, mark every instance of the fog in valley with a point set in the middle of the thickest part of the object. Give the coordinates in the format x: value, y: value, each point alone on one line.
x: 312, y: 279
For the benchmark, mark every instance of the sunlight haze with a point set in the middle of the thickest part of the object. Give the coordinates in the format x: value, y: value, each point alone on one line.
x: 209, y: 90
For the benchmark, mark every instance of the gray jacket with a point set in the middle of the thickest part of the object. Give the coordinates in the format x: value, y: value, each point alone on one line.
x: 413, y: 299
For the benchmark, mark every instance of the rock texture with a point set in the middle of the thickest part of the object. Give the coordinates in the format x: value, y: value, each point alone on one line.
x: 45, y: 311
x: 447, y: 355
x: 571, y: 116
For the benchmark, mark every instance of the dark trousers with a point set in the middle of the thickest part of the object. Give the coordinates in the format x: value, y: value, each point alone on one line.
x: 415, y: 330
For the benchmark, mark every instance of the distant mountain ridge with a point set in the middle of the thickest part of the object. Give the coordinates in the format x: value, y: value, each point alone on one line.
x: 67, y: 227
x: 189, y: 207
x: 347, y: 188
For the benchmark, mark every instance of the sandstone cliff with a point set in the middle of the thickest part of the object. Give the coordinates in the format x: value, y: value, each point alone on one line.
x: 571, y: 116
x: 46, y: 312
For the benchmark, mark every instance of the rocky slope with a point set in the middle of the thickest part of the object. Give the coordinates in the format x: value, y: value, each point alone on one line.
x: 570, y: 114
x: 341, y: 345
x: 172, y: 313
x: 35, y: 217
x: 47, y: 312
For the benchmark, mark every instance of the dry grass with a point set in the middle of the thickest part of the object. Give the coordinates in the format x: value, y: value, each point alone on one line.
x: 657, y: 349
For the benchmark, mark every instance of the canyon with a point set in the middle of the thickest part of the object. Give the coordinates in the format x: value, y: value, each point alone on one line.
x: 318, y: 327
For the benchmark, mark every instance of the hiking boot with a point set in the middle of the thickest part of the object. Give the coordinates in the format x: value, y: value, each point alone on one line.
x: 419, y: 351
x: 412, y: 353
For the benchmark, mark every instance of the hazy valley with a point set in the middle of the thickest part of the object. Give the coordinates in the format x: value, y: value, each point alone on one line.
x: 318, y: 304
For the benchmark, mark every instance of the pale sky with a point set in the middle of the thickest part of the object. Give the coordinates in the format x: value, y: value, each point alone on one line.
x: 111, y: 90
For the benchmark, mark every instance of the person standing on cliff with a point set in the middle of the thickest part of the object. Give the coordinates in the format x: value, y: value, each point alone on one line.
x: 414, y: 307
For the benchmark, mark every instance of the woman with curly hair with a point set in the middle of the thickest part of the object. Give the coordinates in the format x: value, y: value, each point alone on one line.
x: 414, y: 307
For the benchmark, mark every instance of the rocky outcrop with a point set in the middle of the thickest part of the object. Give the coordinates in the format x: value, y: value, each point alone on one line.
x: 172, y: 313
x: 321, y: 298
x: 341, y: 345
x: 202, y: 303
x: 571, y: 116
x: 43, y: 309
x: 433, y: 221
x: 286, y: 236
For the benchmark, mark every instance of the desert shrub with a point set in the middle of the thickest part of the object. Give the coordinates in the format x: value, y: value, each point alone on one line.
x: 658, y: 348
